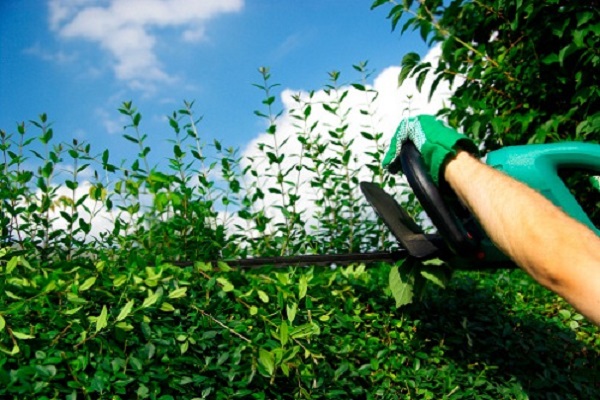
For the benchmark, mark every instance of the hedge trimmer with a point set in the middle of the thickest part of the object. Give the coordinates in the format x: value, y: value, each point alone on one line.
x: 459, y: 240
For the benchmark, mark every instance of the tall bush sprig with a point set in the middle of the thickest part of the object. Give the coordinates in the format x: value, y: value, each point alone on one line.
x: 342, y: 175
x: 275, y: 155
x: 41, y: 214
x: 76, y: 224
x: 206, y: 185
x: 15, y: 190
x: 374, y: 233
x: 306, y: 127
x: 139, y: 139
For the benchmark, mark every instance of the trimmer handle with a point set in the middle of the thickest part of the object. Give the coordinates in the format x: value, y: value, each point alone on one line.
x: 537, y: 166
x: 443, y: 216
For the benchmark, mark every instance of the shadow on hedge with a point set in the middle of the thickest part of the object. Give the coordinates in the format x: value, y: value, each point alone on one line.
x: 485, y: 329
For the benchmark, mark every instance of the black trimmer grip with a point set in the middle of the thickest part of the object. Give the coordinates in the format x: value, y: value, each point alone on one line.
x: 444, y: 219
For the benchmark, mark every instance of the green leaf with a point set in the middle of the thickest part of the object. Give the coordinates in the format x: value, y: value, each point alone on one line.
x: 378, y: 3
x: 367, y: 135
x: 409, y: 62
x: 183, y: 347
x: 218, y: 145
x: 550, y: 59
x: 23, y: 261
x: 2, y: 323
x: 307, y: 111
x: 595, y: 181
x: 283, y: 333
x: 203, y: 266
x: 125, y: 310
x: 124, y: 326
x: 268, y: 101
x: 102, y: 320
x: 15, y: 350
x: 119, y: 280
x: 87, y: 284
x: 135, y: 363
x: 302, y: 287
x: 564, y: 53
x: 578, y: 38
x: 227, y: 286
x: 223, y: 266
x: 20, y: 335
x: 303, y: 331
x: 266, y: 359
x: 421, y: 79
x: 12, y: 264
x: 131, y: 138
x: 263, y: 296
x: 150, y: 300
x: 573, y: 325
x: 564, y: 314
x: 291, y: 309
x: 436, y: 272
x: 167, y: 307
x: 11, y: 295
x: 402, y: 280
x: 178, y: 293
x: 72, y: 311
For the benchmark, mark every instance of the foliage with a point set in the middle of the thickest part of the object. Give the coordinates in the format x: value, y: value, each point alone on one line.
x: 523, y: 71
x: 124, y: 331
x: 91, y: 313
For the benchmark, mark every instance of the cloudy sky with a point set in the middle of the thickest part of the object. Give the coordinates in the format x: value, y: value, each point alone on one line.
x: 78, y: 60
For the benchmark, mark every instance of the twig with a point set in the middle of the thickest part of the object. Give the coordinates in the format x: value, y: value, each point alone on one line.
x: 221, y: 324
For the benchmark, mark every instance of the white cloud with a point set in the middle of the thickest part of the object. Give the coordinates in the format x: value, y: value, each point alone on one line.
x: 59, y: 57
x: 393, y: 102
x: 194, y: 35
x: 288, y: 45
x: 61, y: 10
x: 126, y: 29
x: 111, y: 123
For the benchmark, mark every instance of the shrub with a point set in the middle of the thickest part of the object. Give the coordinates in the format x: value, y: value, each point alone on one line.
x: 523, y: 72
x: 112, y: 314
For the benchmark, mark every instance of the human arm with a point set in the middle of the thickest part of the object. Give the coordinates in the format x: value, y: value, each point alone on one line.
x: 557, y: 251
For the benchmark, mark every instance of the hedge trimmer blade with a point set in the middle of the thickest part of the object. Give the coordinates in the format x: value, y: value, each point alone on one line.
x: 318, y: 259
x: 401, y: 225
x: 413, y: 241
x: 308, y: 260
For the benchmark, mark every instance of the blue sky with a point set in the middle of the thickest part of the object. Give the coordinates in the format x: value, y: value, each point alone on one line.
x: 77, y: 60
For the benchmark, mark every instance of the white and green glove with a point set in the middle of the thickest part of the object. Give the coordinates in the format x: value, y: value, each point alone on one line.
x: 436, y: 141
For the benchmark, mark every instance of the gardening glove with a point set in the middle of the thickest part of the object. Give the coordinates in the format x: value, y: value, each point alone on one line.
x: 436, y: 141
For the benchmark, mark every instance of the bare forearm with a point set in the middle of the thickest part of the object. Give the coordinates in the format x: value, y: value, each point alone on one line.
x: 556, y: 250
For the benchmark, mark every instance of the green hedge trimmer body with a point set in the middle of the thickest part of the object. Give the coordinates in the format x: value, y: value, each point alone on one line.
x: 537, y: 165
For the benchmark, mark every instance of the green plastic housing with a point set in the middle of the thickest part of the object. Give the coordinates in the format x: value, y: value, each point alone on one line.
x: 537, y: 165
